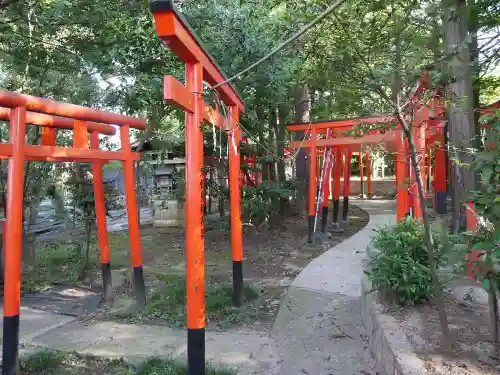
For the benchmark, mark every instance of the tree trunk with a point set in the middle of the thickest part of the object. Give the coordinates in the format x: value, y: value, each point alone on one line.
x: 302, y: 114
x: 210, y: 189
x: 396, y: 82
x: 271, y: 165
x: 222, y: 186
x: 280, y: 152
x: 429, y: 241
x: 476, y: 71
x: 261, y: 118
x: 460, y: 108
x: 88, y: 237
x: 280, y: 142
x: 138, y: 190
x: 408, y: 131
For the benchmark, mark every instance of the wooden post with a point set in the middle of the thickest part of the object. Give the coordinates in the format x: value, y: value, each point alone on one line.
x: 235, y: 198
x: 336, y: 187
x: 440, y: 179
x: 369, y: 170
x: 416, y: 207
x: 13, y: 243
x: 361, y: 175
x: 347, y: 185
x: 133, y: 217
x: 402, y: 196
x: 102, y: 227
x: 312, y: 187
x: 195, y: 261
x: 326, y: 196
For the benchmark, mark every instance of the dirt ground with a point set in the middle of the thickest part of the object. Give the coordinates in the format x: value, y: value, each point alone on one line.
x: 272, y: 259
x: 473, y: 350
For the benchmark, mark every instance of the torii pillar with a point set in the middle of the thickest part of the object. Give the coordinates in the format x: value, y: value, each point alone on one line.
x: 336, y: 188
x: 347, y: 186
x: 173, y: 29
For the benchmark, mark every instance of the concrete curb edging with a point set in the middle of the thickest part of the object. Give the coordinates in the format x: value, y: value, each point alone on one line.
x: 388, y: 343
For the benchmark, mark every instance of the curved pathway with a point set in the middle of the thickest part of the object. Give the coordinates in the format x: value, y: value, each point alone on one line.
x: 318, y: 329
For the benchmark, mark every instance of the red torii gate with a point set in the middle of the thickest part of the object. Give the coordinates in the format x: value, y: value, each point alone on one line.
x: 20, y: 110
x: 427, y: 128
x: 346, y: 145
x: 174, y: 30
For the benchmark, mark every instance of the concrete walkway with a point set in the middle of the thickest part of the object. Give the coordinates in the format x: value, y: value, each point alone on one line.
x: 318, y: 330
x: 250, y: 352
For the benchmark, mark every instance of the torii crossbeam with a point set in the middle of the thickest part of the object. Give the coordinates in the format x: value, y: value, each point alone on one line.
x: 174, y: 30
x: 52, y: 115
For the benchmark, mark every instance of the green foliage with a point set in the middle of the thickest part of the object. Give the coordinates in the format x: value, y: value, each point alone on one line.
x: 45, y: 360
x: 264, y: 201
x: 58, y: 262
x: 221, y: 224
x: 168, y: 304
x: 54, y: 362
x: 162, y: 366
x: 487, y: 205
x: 399, y: 264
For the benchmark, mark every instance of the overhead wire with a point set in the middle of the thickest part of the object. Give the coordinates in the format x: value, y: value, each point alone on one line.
x: 227, y: 114
x: 285, y: 43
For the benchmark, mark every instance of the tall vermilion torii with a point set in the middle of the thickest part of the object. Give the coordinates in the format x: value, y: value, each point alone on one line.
x: 174, y: 30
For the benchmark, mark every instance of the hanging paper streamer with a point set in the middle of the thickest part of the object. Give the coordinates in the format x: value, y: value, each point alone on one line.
x: 327, y: 158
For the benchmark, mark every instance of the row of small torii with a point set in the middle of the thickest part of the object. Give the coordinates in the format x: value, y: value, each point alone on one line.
x: 89, y: 125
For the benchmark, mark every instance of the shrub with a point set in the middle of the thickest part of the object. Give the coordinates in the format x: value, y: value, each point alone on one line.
x: 266, y: 201
x: 399, y: 265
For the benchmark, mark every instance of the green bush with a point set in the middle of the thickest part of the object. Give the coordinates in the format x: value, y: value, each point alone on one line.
x: 266, y: 201
x: 399, y: 266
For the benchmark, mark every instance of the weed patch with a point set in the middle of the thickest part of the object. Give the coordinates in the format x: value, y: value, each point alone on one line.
x: 168, y: 305
x: 51, y: 362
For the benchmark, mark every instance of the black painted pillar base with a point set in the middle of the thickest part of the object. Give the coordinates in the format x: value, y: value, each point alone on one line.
x: 237, y: 282
x: 324, y: 219
x: 345, y: 209
x: 441, y: 202
x: 10, y: 350
x: 139, y: 286
x: 310, y: 230
x: 107, y: 282
x: 196, y: 351
x: 370, y: 196
x: 336, y: 205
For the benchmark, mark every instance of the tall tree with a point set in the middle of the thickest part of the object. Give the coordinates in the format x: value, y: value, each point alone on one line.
x: 460, y: 108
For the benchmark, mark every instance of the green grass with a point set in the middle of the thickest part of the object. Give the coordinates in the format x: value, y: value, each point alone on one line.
x: 62, y: 262
x: 158, y: 366
x: 51, y: 362
x: 58, y: 262
x: 167, y: 306
x: 44, y: 361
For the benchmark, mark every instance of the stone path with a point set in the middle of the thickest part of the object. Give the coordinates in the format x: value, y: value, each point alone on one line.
x: 317, y: 330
